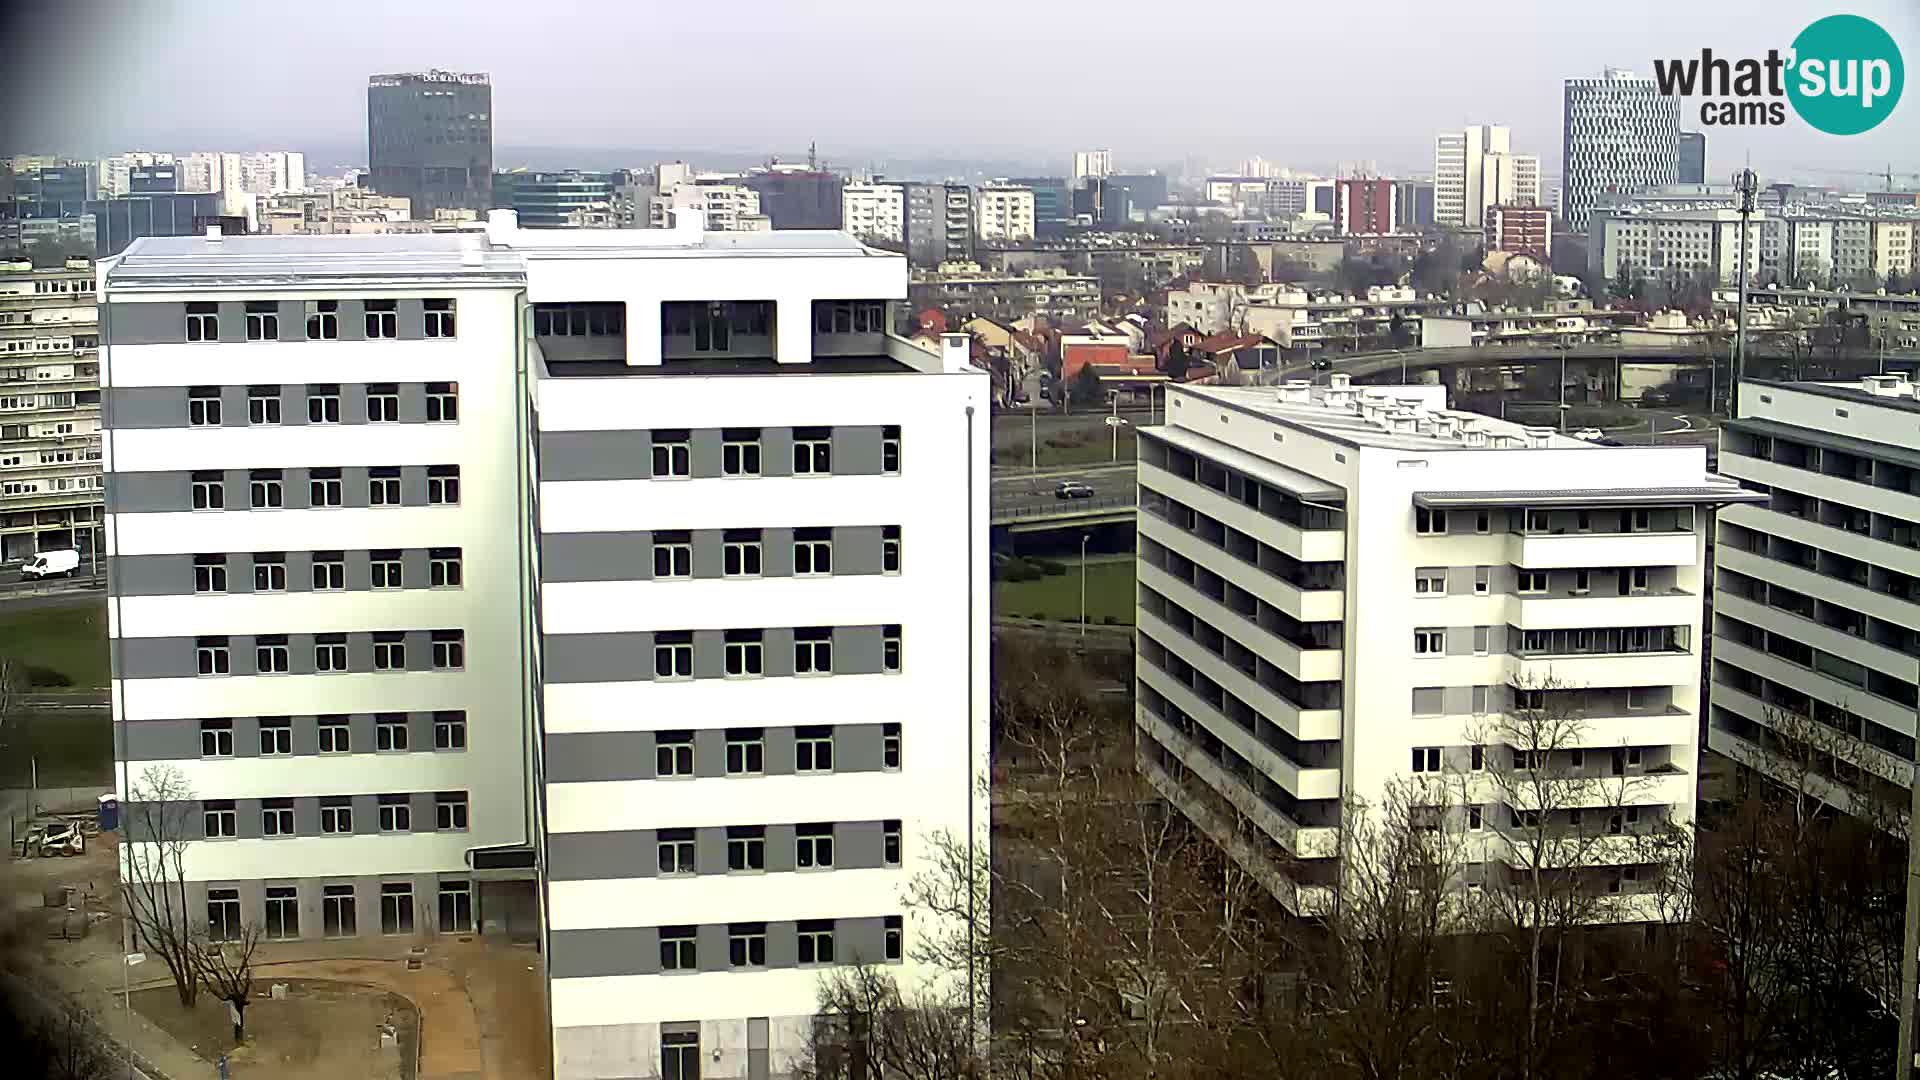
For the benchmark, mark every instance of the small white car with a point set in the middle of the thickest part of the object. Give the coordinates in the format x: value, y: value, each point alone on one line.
x: 1589, y: 433
x: 52, y: 564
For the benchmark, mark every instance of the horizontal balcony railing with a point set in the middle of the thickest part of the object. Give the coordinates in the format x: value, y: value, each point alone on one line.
x: 1316, y: 842
x: 1300, y: 781
x: 1579, y: 551
x: 1304, y: 900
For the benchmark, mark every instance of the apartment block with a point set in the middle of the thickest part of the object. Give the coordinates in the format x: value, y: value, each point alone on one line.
x: 1003, y: 214
x: 49, y: 411
x: 1475, y: 169
x: 1620, y: 134
x: 875, y: 210
x: 562, y: 585
x: 1817, y: 588
x: 1341, y: 588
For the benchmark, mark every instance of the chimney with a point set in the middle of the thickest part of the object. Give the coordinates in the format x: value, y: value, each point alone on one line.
x: 1296, y: 392
x: 473, y: 248
x: 501, y: 225
x: 213, y: 235
x: 956, y: 351
x: 1339, y: 380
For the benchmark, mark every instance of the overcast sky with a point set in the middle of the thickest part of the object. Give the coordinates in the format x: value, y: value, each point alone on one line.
x: 1306, y: 84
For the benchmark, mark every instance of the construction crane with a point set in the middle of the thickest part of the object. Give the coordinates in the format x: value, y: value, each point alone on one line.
x: 1886, y: 174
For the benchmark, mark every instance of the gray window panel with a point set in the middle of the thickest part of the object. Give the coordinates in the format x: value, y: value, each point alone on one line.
x: 1457, y: 700
x: 162, y: 740
x: 859, y: 845
x: 135, y: 408
x: 412, y: 327
x: 704, y: 453
x: 776, y: 451
x: 413, y: 568
x: 757, y: 1035
x: 181, y: 818
x: 359, y: 647
x: 780, y: 849
x: 413, y: 485
x: 233, y: 399
x: 306, y: 808
x: 420, y: 655
x: 601, y: 856
x: 779, y: 752
x: 1460, y: 641
x: 857, y: 650
x: 783, y: 945
x: 353, y: 396
x: 711, y: 947
x: 596, y: 455
x: 709, y: 654
x: 856, y: 549
x: 419, y: 728
x: 710, y: 752
x: 856, y: 748
x: 1506, y: 579
x: 233, y: 320
x: 856, y: 451
x: 293, y: 323
x: 778, y: 651
x: 358, y: 572
x: 1428, y: 700
x: 166, y: 658
x: 156, y: 575
x: 353, y: 326
x: 859, y: 941
x: 709, y: 553
x: 247, y: 819
x: 626, y: 950
x: 143, y: 324
x: 613, y: 556
x: 299, y: 572
x: 591, y: 756
x: 422, y: 801
x: 573, y: 658
x: 360, y: 733
x: 413, y: 395
x: 366, y: 812
x: 300, y: 661
x: 1460, y: 580
x: 776, y: 551
x: 246, y: 736
x: 680, y: 1027
x: 710, y: 850
x: 1498, y: 638
x: 156, y: 492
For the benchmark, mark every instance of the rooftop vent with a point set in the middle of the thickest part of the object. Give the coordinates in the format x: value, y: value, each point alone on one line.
x: 1474, y: 437
x: 1445, y: 426
x: 1296, y: 392
x: 1884, y: 385
x: 1538, y: 437
x: 213, y: 234
x: 1339, y: 380
x: 472, y: 249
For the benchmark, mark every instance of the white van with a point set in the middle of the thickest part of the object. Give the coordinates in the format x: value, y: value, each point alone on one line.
x: 52, y: 564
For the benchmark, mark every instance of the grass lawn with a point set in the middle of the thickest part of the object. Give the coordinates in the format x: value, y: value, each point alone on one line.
x: 1066, y: 450
x: 1109, y: 592
x: 69, y: 639
x: 73, y: 748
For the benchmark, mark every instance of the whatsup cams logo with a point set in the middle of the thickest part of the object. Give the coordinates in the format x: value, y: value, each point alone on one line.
x: 1843, y: 76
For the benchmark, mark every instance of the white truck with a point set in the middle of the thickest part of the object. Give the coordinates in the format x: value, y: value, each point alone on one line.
x: 50, y: 564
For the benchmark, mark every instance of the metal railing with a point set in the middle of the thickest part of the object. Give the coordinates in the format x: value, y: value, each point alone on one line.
x: 1065, y: 507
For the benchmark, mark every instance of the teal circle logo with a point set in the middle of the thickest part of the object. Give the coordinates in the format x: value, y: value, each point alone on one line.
x: 1846, y: 75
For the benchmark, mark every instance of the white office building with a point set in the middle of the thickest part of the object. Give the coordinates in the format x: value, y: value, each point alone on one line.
x: 1476, y: 168
x: 1816, y: 597
x: 1003, y: 214
x: 875, y: 211
x: 1345, y: 586
x: 622, y: 587
x: 1620, y: 135
x: 49, y: 411
x: 1678, y: 244
x: 729, y: 206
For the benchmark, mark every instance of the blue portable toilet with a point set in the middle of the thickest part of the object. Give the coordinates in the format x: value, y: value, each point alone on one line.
x: 109, y: 812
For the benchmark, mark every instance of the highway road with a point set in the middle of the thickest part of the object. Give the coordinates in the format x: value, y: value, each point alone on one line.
x: 1018, y: 489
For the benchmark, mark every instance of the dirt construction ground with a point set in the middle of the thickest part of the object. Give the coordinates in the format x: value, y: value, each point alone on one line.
x: 321, y: 1031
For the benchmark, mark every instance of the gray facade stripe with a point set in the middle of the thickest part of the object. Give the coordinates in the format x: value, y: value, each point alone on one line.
x: 579, y: 954
x: 856, y: 451
x: 159, y: 407
x: 627, y: 455
x: 602, y: 856
x: 590, y: 953
x: 144, y: 324
x: 164, y: 492
x: 624, y: 657
x: 175, y: 657
x: 596, y: 756
x: 622, y: 556
x: 576, y: 658
x: 179, y: 739
x: 595, y: 455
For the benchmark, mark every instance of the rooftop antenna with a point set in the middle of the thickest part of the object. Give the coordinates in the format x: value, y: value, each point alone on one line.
x: 1746, y: 184
x: 812, y: 166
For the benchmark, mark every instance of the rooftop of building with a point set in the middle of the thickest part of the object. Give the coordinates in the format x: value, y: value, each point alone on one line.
x: 1885, y: 391
x: 1389, y: 417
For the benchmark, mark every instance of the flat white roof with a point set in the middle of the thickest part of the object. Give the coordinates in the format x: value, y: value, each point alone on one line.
x: 1323, y: 417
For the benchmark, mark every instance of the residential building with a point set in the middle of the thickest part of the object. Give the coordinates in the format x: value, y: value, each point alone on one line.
x: 1620, y: 134
x: 1092, y: 163
x: 242, y: 178
x: 875, y: 211
x: 797, y: 196
x: 339, y: 210
x: 1475, y: 168
x: 430, y: 139
x: 1892, y: 317
x: 1693, y: 157
x: 1242, y: 193
x: 729, y: 206
x: 1365, y: 207
x: 1520, y: 230
x: 957, y: 222
x: 1346, y: 588
x: 1672, y: 244
x: 115, y: 174
x: 1413, y: 204
x: 532, y: 523
x: 1816, y: 593
x: 1144, y: 190
x: 549, y: 200
x: 49, y: 411
x: 1052, y: 201
x: 1003, y: 214
x: 43, y: 191
x: 970, y: 290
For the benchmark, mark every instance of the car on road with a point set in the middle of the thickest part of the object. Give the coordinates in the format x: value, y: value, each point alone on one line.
x: 52, y: 564
x: 1591, y: 434
x: 1322, y: 364
x: 1072, y: 489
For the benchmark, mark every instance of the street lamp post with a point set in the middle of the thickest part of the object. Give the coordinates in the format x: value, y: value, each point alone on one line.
x: 1084, y: 537
x: 1033, y: 434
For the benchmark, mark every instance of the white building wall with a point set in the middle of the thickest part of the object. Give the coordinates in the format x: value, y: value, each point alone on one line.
x: 874, y: 210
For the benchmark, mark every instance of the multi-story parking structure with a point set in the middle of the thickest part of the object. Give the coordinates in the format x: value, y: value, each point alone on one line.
x: 641, y: 564
x: 1347, y: 588
x: 49, y: 411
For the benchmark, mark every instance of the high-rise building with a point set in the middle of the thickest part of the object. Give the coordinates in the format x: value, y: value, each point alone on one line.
x: 757, y: 576
x: 115, y: 174
x: 875, y: 211
x: 1665, y: 244
x: 1411, y: 595
x: 1475, y: 168
x: 1412, y: 204
x: 551, y: 200
x: 1816, y: 594
x: 1620, y: 135
x: 1693, y: 157
x: 430, y: 139
x: 728, y: 206
x: 50, y: 438
x: 1091, y: 163
x: 1520, y: 230
x: 957, y: 223
x: 1052, y: 201
x: 1003, y: 214
x: 1365, y: 207
x: 797, y: 196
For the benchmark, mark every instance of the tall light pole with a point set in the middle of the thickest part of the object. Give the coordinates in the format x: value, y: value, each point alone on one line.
x: 1084, y: 537
x: 1033, y: 434
x: 1910, y: 953
x: 1747, y: 185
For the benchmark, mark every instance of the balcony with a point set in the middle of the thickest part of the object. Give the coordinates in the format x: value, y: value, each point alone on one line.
x: 1672, y: 607
x: 1305, y: 602
x: 1858, y: 752
x: 1575, y: 550
x: 1306, y: 545
x: 1305, y: 900
x: 1306, y: 663
x: 1304, y: 842
x: 1302, y: 782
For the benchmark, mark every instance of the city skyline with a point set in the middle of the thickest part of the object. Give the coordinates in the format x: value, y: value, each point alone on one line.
x: 581, y: 92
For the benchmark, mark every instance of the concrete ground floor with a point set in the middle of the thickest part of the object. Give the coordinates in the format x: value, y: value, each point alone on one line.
x: 749, y: 1048
x: 387, y: 906
x: 27, y: 533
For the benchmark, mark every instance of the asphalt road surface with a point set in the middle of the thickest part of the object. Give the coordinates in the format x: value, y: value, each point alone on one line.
x: 1019, y: 488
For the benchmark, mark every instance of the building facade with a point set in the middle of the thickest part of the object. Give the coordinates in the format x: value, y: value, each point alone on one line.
x: 1366, y: 208
x: 1006, y: 295
x: 1003, y: 214
x: 1092, y: 163
x: 1620, y: 135
x: 1520, y: 230
x: 410, y: 542
x: 797, y: 197
x: 430, y: 139
x: 875, y: 211
x: 1676, y: 244
x: 1693, y: 157
x: 1475, y: 168
x: 1347, y: 588
x: 729, y: 207
x: 49, y: 412
x: 551, y: 200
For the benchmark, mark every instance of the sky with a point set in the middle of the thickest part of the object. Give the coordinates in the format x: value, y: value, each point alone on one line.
x: 1304, y: 84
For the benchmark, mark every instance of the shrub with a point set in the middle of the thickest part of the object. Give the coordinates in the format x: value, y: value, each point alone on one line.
x: 38, y: 676
x: 1049, y: 567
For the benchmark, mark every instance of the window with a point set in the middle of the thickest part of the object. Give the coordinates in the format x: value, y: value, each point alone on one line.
x: 1429, y: 582
x: 264, y: 490
x: 396, y: 813
x: 390, y: 731
x: 672, y: 555
x: 383, y: 403
x: 450, y: 730
x: 740, y: 452
x: 338, y: 916
x: 1475, y: 819
x: 812, y: 451
x: 263, y: 321
x: 1639, y: 521
x: 449, y: 650
x: 813, y: 847
x: 741, y: 553
x: 443, y: 403
x: 672, y: 457
x: 1582, y: 582
x: 1483, y: 522
x: 747, y: 944
x: 335, y: 735
x: 890, y: 450
x: 1533, y: 581
x: 443, y: 568
x: 893, y: 935
x: 324, y: 488
x: 673, y: 655
x: 329, y: 571
x: 276, y: 817
x: 384, y: 568
x: 390, y: 651
x: 1538, y: 521
x: 816, y: 941
x: 890, y: 746
x: 216, y: 738
x: 217, y: 815
x: 450, y: 811
x: 203, y: 322
x: 223, y: 908
x: 203, y: 406
x: 437, y: 319
x: 744, y: 658
x: 1429, y: 642
x: 1429, y: 522
x: 443, y: 485
x: 1637, y: 579
x: 890, y: 549
x: 813, y: 651
x: 383, y: 318
x: 209, y: 491
x: 263, y: 405
x: 676, y: 852
x: 890, y: 843
x: 383, y: 486
x: 673, y: 754
x: 812, y: 552
x: 323, y: 403
x: 209, y: 573
x: 212, y: 656
x: 269, y: 571
x: 813, y: 749
x: 323, y: 320
x: 276, y: 736
x: 396, y: 908
x: 1426, y: 759
x: 679, y: 1055
x: 1479, y: 756
x: 746, y: 751
x: 1482, y: 580
x: 1583, y: 520
x: 746, y: 848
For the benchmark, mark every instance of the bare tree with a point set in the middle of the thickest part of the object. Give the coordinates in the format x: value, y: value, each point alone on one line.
x: 227, y: 971
x: 868, y: 1028
x: 159, y: 826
